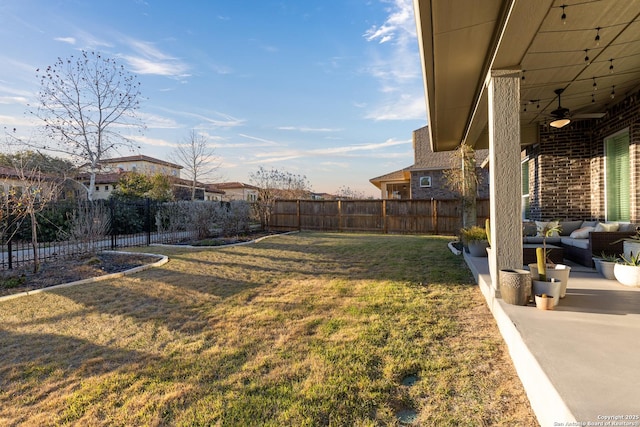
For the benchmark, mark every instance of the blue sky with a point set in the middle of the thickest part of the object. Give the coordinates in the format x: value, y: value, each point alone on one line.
x: 330, y: 89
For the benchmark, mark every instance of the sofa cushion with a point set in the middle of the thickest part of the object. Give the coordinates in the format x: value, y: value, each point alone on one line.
x: 589, y: 223
x: 541, y: 225
x: 610, y: 226
x: 582, y: 233
x: 568, y: 227
x: 539, y: 239
x: 576, y: 243
x: 529, y: 228
x: 628, y: 227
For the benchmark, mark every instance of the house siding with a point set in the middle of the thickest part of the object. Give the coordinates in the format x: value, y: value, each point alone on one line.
x: 566, y: 169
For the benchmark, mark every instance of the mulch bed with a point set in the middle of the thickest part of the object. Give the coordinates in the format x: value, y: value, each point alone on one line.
x: 57, y: 272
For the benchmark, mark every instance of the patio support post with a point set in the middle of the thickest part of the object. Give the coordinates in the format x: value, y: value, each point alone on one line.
x: 505, y: 172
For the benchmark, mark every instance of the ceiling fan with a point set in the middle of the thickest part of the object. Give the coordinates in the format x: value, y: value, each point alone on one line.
x: 562, y: 117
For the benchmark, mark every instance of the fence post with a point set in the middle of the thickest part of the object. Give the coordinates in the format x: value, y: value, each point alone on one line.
x: 147, y: 219
x: 112, y: 209
x: 298, y: 214
x: 339, y: 215
x: 10, y: 252
x: 434, y: 215
x: 385, y: 228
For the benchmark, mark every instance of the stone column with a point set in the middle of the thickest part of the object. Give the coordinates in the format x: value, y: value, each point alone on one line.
x: 505, y: 172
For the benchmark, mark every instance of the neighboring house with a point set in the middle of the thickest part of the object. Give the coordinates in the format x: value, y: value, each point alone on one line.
x: 322, y: 196
x: 238, y: 191
x: 12, y: 179
x: 142, y: 164
x: 114, y: 169
x: 425, y: 179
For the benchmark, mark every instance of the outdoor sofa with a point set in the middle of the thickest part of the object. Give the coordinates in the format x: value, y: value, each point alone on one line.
x: 582, y: 240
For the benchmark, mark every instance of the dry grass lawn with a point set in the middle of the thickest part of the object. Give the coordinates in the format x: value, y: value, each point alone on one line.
x: 307, y: 329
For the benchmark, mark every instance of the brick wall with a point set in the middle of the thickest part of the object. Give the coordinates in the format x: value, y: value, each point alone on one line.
x: 439, y: 190
x: 566, y: 169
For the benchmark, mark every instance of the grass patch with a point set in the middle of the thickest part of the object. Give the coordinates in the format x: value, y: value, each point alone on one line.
x: 309, y: 329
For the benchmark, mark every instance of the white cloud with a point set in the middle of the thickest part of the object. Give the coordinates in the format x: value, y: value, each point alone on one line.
x: 349, y: 151
x: 307, y: 129
x: 404, y: 107
x: 150, y: 60
x: 395, y: 64
x: 13, y: 100
x: 69, y: 40
x: 154, y: 121
x: 153, y: 142
x: 399, y: 25
x: 18, y: 121
x: 263, y: 142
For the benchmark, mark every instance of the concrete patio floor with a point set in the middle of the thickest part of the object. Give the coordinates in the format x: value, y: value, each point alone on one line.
x: 580, y: 363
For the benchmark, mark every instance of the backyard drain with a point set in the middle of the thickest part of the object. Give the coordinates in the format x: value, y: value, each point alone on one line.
x: 409, y: 380
x: 407, y: 416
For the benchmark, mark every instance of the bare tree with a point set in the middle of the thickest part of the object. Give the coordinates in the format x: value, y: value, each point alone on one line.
x: 345, y: 192
x: 463, y: 178
x: 276, y: 184
x: 197, y: 157
x: 86, y: 102
x: 28, y: 195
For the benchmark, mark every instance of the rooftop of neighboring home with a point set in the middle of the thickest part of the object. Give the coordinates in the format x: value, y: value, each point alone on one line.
x: 233, y: 185
x: 141, y: 158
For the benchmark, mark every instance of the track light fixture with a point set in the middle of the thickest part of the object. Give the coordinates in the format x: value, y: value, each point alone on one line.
x: 598, y: 36
x: 564, y: 15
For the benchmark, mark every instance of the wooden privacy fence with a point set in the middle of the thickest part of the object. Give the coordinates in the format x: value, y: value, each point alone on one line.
x: 382, y: 216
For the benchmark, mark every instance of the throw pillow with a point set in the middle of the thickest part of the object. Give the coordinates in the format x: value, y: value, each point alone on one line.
x: 541, y: 225
x: 610, y: 226
x: 568, y: 227
x: 581, y: 233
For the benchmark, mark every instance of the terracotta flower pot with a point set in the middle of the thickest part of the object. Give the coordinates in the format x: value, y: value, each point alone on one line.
x: 545, y: 302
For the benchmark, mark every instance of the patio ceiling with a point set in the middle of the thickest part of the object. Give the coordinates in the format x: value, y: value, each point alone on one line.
x: 462, y: 41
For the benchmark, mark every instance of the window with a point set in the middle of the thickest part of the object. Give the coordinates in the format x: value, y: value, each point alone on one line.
x: 617, y: 173
x: 425, y: 181
x: 525, y: 207
x: 97, y: 188
x: 106, y: 188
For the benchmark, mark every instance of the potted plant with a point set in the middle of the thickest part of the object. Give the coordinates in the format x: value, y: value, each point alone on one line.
x: 476, y: 240
x: 605, y: 264
x: 627, y: 270
x: 631, y: 244
x: 545, y: 302
x: 549, y: 278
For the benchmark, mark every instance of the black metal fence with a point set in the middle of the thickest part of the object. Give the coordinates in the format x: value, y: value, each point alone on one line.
x: 70, y: 229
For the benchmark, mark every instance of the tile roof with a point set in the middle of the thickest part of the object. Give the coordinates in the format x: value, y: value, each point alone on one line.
x: 141, y: 158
